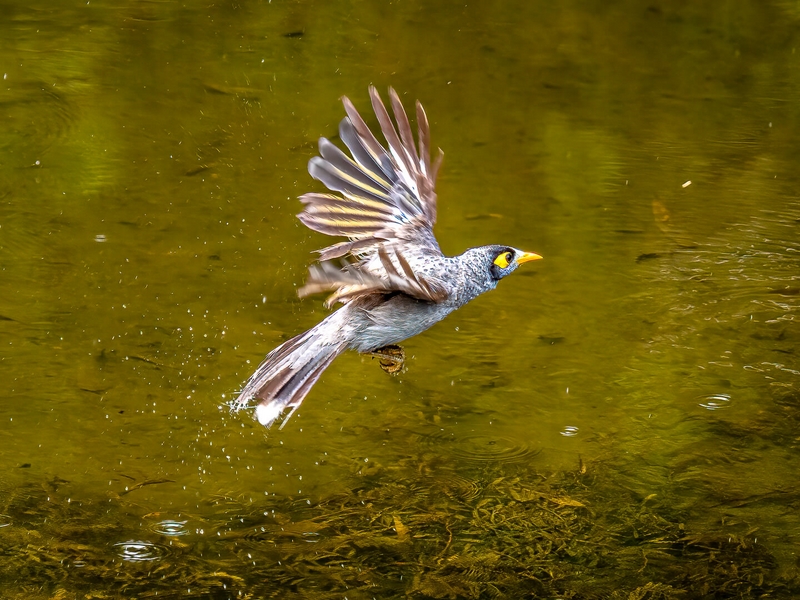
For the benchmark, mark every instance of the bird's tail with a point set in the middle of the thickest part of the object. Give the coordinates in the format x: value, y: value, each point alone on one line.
x: 288, y: 373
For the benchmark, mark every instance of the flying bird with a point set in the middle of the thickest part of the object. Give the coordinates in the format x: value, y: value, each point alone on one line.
x: 390, y: 276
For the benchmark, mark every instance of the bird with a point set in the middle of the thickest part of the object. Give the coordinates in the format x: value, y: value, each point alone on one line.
x: 390, y: 276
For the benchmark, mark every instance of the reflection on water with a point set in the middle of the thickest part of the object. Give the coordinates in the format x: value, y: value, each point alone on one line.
x: 620, y: 421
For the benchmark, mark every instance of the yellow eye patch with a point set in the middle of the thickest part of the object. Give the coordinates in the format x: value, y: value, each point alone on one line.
x: 503, y: 260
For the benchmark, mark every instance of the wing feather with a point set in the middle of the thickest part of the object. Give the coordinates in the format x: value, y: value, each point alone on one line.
x: 365, y: 139
x: 385, y: 203
x: 341, y: 161
x: 340, y: 181
x: 344, y: 248
x: 355, y: 279
x: 424, y: 136
x: 400, y: 154
x: 361, y: 156
x: 320, y: 202
x: 405, y: 129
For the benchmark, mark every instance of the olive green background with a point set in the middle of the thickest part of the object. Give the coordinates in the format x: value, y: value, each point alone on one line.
x: 151, y: 155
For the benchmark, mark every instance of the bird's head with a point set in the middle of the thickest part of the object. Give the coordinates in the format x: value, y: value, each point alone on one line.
x: 486, y: 265
x: 503, y: 260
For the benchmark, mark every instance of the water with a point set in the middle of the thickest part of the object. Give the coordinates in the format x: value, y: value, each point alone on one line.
x: 620, y: 415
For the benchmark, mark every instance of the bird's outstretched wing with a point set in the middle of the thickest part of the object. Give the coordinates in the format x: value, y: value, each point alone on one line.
x: 355, y: 280
x: 386, y: 205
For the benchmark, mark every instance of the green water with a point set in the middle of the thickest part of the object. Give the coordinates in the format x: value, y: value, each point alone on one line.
x: 620, y: 420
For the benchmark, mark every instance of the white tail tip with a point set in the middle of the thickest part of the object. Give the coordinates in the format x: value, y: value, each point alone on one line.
x: 267, y: 413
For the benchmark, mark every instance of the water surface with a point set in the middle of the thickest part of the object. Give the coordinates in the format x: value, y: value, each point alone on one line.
x: 618, y: 420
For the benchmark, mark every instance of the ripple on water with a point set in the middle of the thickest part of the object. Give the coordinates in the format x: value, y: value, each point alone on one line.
x: 715, y: 401
x: 170, y: 528
x: 483, y: 448
x: 140, y: 551
x: 459, y: 487
x: 5, y: 521
x: 569, y: 431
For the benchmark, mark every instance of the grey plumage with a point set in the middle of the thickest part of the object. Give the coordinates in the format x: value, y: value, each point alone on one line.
x: 394, y: 281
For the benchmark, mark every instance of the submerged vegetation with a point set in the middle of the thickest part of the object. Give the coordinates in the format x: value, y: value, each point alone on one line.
x: 424, y: 532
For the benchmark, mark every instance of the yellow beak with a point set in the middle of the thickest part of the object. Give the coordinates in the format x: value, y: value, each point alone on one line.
x: 527, y: 257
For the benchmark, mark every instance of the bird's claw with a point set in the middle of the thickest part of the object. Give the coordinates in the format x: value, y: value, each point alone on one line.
x: 391, y: 358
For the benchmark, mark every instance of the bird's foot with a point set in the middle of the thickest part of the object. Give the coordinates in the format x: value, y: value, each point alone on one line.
x: 391, y: 358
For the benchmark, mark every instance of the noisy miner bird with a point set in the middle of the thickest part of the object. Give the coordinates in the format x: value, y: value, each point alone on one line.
x: 391, y: 277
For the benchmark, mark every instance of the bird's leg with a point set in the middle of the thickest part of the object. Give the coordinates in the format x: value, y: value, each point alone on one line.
x: 391, y: 358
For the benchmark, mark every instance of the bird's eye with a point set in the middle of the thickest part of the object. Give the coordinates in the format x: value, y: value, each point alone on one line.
x: 504, y: 260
